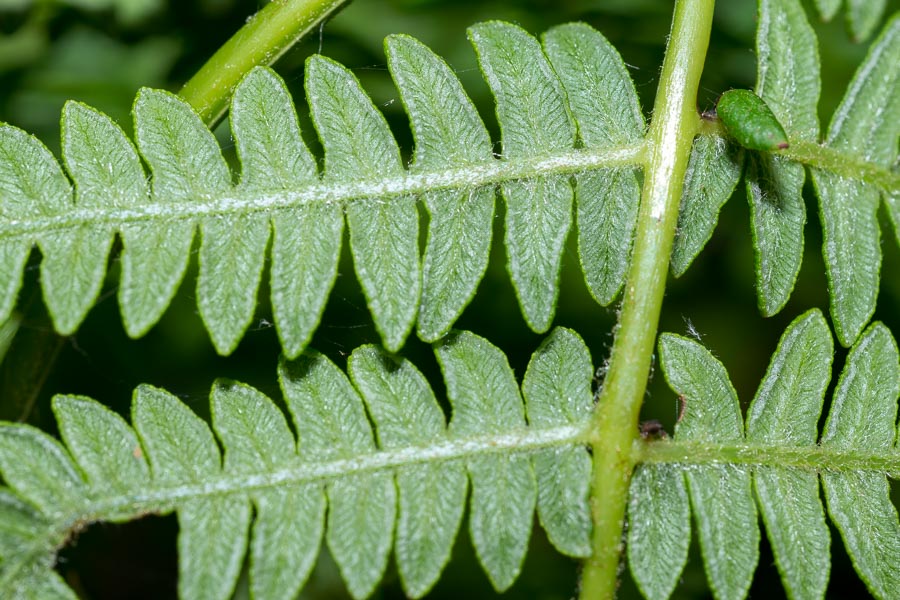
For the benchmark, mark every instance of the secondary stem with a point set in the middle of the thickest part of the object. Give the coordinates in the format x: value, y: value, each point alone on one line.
x: 675, y: 122
x: 266, y: 36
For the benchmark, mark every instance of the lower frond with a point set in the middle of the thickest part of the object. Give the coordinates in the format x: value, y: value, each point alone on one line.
x: 372, y: 451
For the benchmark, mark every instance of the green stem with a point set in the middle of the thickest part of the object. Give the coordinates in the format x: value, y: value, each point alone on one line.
x: 820, y: 459
x: 842, y: 163
x: 266, y: 36
x: 815, y: 155
x: 675, y: 122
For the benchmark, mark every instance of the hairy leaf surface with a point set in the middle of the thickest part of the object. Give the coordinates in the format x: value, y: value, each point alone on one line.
x: 307, y: 238
x: 659, y: 529
x: 447, y: 132
x: 605, y: 107
x: 383, y: 235
x: 788, y: 80
x: 862, y: 416
x: 535, y: 121
x: 568, y: 114
x: 712, y: 175
x: 867, y: 123
x: 785, y: 411
x: 431, y: 497
x: 557, y: 390
x: 485, y: 399
x: 404, y: 468
x: 781, y: 453
x: 720, y: 494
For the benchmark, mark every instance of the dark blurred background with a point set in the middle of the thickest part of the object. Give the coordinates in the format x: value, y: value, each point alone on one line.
x: 102, y: 51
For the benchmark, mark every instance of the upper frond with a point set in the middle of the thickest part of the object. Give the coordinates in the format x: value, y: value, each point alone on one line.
x: 773, y: 465
x: 373, y: 448
x: 572, y: 139
x: 574, y: 86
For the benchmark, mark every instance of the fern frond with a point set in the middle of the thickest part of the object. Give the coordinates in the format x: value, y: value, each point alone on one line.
x: 712, y: 175
x: 412, y: 471
x: 714, y: 457
x: 280, y: 192
x: 788, y: 80
x: 868, y: 123
x: 572, y: 132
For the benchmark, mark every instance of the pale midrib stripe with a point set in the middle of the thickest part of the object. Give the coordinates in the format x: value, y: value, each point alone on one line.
x: 813, y: 457
x: 410, y: 183
x: 166, y: 496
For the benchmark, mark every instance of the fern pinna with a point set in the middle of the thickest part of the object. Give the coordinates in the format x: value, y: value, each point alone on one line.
x: 454, y: 172
x: 406, y: 486
x: 408, y: 490
x: 572, y: 130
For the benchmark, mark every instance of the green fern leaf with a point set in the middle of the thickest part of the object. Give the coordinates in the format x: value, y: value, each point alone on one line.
x: 557, y: 390
x: 232, y: 250
x: 212, y: 531
x: 431, y: 497
x: 107, y: 173
x: 454, y: 172
x: 535, y: 121
x: 331, y: 423
x: 720, y: 494
x: 605, y: 106
x: 32, y: 184
x: 486, y: 400
x: 862, y: 417
x: 170, y: 461
x: 892, y: 202
x: 781, y: 450
x: 383, y: 235
x: 579, y: 89
x: 290, y: 521
x: 39, y: 470
x: 867, y: 123
x: 307, y: 238
x: 20, y: 524
x: 659, y: 528
x: 41, y: 584
x: 785, y: 411
x: 187, y: 166
x: 827, y: 8
x: 788, y: 80
x: 103, y: 445
x: 712, y: 175
x: 863, y: 17
x: 74, y: 265
x: 448, y: 132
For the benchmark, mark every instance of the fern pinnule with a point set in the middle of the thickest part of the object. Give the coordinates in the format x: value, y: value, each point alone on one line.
x: 867, y: 123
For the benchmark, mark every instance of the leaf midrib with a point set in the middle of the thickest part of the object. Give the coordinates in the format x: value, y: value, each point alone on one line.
x: 168, y: 495
x: 239, y: 201
x: 812, y: 457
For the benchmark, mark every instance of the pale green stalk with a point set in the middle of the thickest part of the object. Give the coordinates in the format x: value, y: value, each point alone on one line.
x: 267, y: 35
x: 839, y: 162
x: 675, y: 122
